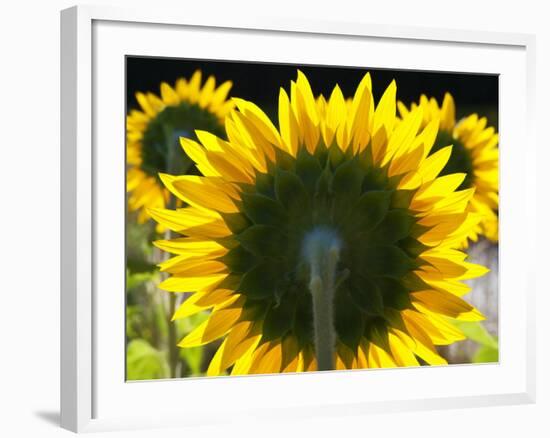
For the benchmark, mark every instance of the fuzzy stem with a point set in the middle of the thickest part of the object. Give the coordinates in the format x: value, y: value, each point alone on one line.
x: 322, y: 251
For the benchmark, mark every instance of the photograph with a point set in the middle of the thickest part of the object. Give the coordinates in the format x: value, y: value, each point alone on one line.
x: 288, y: 218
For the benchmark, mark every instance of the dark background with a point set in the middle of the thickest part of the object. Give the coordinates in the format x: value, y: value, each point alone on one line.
x: 260, y: 82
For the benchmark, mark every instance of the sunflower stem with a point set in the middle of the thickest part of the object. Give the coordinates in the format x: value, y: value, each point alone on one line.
x: 322, y: 251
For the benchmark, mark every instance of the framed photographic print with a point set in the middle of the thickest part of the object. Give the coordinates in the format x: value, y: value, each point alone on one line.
x: 291, y: 218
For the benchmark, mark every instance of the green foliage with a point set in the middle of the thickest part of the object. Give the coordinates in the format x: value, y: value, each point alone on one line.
x: 488, y: 344
x: 477, y: 332
x: 144, y: 362
x: 185, y: 325
x: 135, y: 280
x: 486, y: 354
x: 193, y: 359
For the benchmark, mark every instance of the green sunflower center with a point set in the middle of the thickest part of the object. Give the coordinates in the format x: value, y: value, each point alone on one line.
x: 460, y: 160
x: 332, y: 200
x: 161, y: 151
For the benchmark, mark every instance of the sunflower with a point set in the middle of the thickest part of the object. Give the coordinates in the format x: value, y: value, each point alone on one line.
x: 475, y: 153
x: 325, y: 244
x: 153, y: 135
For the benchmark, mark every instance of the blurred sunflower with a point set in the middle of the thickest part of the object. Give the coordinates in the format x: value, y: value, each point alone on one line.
x: 326, y: 243
x: 153, y: 135
x: 474, y: 152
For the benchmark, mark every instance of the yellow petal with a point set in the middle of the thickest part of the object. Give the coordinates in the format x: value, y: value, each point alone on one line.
x: 183, y: 265
x: 191, y: 221
x: 218, y: 324
x: 204, y: 192
x: 194, y: 303
x: 447, y: 304
x: 260, y: 121
x: 448, y: 113
x: 198, y: 154
x: 169, y: 95
x: 402, y: 354
x: 288, y: 124
x: 176, y: 283
x: 191, y: 246
x: 362, y: 114
x: 404, y: 134
x: 384, y: 119
x: 207, y: 92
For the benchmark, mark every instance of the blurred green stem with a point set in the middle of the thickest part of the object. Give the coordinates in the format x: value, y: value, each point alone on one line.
x: 173, y: 352
x: 172, y: 338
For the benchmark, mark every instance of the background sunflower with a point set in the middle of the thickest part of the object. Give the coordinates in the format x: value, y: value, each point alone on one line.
x: 474, y: 152
x: 153, y: 131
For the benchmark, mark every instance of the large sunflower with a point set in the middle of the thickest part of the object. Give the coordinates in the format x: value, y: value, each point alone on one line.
x: 153, y: 135
x: 475, y: 153
x: 326, y: 243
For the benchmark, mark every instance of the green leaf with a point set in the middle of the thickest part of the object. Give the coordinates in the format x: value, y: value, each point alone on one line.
x: 193, y: 359
x: 137, y: 265
x: 371, y: 208
x: 476, y: 331
x: 134, y: 280
x: 263, y: 210
x: 186, y: 325
x: 486, y: 354
x: 144, y: 362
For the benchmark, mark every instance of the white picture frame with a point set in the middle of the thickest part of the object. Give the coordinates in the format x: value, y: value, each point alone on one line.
x: 91, y: 393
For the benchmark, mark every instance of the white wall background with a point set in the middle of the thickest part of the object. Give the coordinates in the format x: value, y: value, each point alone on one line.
x: 29, y: 217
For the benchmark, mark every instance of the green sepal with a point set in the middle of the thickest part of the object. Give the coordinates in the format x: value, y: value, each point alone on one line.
x: 377, y: 329
x: 279, y: 318
x: 348, y: 179
x: 238, y: 260
x: 236, y: 222
x: 264, y: 184
x: 261, y: 209
x: 308, y: 169
x: 386, y: 261
x: 394, y: 227
x: 370, y: 209
x: 291, y: 192
x: 393, y: 293
x: 366, y: 294
x: 262, y: 280
x: 263, y: 240
x: 348, y: 322
x: 402, y: 198
x: 303, y: 322
x: 413, y: 247
x: 323, y: 185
